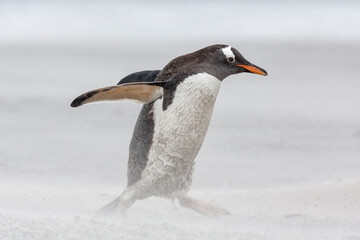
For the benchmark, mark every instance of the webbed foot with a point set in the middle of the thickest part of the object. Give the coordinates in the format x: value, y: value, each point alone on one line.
x: 203, y: 208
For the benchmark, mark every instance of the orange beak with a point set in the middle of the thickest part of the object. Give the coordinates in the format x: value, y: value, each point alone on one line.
x: 254, y: 69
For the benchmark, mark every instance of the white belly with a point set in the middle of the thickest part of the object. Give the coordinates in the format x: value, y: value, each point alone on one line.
x: 179, y: 132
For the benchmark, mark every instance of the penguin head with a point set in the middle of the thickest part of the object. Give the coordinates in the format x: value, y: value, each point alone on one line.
x: 228, y: 61
x: 218, y: 60
x: 236, y: 63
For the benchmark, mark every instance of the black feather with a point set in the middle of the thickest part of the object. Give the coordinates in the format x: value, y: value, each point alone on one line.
x: 143, y: 76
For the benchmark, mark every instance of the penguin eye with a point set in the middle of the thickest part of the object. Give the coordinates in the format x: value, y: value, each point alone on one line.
x: 231, y: 59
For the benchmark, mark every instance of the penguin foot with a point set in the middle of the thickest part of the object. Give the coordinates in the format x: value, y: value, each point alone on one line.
x: 115, y: 208
x: 121, y: 209
x: 203, y: 208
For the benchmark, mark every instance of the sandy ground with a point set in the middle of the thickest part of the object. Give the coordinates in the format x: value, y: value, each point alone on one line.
x: 42, y: 211
x: 282, y: 152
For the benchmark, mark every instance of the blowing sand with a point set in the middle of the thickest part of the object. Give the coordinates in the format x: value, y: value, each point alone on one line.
x: 282, y: 152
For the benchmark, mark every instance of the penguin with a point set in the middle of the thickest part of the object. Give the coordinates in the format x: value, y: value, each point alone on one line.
x: 177, y: 106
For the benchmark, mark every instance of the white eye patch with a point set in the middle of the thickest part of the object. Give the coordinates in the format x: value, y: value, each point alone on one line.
x: 228, y: 52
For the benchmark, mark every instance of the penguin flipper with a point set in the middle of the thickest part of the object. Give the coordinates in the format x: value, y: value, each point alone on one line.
x: 143, y: 92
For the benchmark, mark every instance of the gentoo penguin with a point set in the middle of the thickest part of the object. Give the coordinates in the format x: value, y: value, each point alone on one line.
x: 178, y: 103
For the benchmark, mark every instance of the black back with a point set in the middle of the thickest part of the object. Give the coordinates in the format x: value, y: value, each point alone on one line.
x: 143, y: 76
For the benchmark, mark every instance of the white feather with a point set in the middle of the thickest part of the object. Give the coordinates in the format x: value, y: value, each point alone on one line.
x: 179, y: 132
x: 228, y: 52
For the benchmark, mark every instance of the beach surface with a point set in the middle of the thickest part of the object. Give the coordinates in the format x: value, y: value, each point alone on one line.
x: 282, y: 153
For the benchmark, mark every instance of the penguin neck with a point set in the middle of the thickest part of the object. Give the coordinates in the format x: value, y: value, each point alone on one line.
x: 184, y: 123
x: 199, y: 86
x: 198, y: 89
x: 192, y: 104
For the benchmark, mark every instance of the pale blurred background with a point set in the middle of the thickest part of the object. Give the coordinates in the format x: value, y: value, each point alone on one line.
x: 299, y: 126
